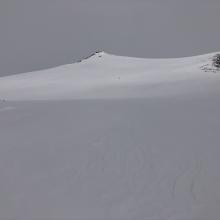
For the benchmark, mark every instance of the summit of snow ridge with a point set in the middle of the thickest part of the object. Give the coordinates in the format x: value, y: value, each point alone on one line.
x: 97, y: 54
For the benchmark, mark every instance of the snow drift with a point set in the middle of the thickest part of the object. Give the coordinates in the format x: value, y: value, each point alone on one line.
x: 112, y: 138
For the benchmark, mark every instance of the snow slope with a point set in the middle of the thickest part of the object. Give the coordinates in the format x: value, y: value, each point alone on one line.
x: 111, y: 138
x: 107, y: 76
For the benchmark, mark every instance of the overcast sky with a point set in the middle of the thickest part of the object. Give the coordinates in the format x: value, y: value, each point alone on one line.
x: 37, y: 34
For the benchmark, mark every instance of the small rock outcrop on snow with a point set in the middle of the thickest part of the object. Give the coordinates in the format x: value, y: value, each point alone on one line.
x: 216, y: 61
x: 213, y: 65
x: 96, y: 54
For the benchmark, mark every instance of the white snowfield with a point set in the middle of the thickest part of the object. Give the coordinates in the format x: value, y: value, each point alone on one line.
x: 108, y: 76
x: 112, y: 138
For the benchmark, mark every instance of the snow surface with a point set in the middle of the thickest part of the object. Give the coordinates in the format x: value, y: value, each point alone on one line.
x: 111, y: 138
x: 108, y: 76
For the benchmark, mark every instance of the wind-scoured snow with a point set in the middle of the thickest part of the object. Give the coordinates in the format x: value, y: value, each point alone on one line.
x: 112, y: 137
x: 107, y: 76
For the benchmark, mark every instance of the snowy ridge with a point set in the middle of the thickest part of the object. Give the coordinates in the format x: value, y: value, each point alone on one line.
x: 123, y: 139
x: 103, y: 75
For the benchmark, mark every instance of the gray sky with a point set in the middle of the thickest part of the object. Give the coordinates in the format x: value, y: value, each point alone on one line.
x: 37, y: 34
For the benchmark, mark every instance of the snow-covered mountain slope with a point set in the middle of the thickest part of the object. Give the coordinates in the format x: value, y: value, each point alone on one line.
x: 107, y: 76
x: 123, y: 139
